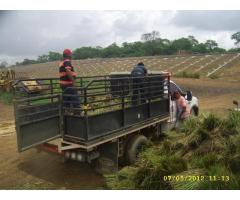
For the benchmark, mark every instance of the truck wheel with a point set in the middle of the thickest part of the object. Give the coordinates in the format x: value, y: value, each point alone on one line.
x: 134, y: 147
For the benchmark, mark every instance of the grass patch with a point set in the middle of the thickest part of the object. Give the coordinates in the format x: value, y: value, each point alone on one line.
x: 211, y: 122
x: 219, y: 171
x: 6, y: 97
x: 206, y: 161
x: 149, y: 171
x: 186, y: 74
x: 190, y: 125
x: 122, y: 180
x: 201, y: 149
x: 231, y: 125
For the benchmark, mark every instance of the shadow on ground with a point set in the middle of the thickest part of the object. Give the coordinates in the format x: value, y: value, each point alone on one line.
x: 62, y: 175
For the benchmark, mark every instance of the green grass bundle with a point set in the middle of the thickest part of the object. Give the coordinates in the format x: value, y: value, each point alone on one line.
x: 154, y: 167
x: 232, y: 153
x: 200, y: 149
x: 167, y: 147
x: 233, y: 145
x: 190, y: 125
x: 221, y: 182
x: 121, y: 180
x: 150, y: 179
x: 207, y: 160
x: 187, y: 183
x: 154, y: 158
x: 211, y: 122
x: 231, y: 125
x: 197, y: 137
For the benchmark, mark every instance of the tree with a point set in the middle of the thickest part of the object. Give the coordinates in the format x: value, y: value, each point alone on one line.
x: 193, y: 41
x: 86, y: 52
x: 133, y: 49
x: 150, y: 36
x: 219, y: 50
x: 111, y: 51
x: 211, y: 44
x: 234, y: 50
x: 236, y: 37
x: 150, y: 45
x: 200, y: 48
x: 43, y: 58
x: 182, y: 44
x: 54, y: 56
x: 28, y: 61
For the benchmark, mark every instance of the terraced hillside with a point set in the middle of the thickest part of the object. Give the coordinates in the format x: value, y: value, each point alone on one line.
x: 221, y: 65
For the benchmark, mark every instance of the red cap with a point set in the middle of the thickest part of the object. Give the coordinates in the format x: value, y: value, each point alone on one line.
x: 67, y: 52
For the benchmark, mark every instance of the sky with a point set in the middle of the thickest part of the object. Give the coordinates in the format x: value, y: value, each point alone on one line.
x: 27, y: 34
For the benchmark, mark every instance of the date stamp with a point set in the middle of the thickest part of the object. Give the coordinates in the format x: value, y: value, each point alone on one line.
x: 188, y: 178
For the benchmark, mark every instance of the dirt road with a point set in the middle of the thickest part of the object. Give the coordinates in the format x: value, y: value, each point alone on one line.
x: 214, y: 95
x: 40, y: 170
x: 6, y: 112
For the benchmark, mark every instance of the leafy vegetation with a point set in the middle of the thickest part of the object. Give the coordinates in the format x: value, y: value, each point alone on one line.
x: 51, y: 56
x: 151, y: 44
x: 6, y: 97
x: 206, y: 151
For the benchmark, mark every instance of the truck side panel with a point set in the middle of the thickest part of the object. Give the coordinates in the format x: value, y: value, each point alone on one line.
x: 104, y: 124
x: 36, y: 124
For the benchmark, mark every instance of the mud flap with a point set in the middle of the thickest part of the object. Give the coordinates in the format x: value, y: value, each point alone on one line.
x: 107, y: 163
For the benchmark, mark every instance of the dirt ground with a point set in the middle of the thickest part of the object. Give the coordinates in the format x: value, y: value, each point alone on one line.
x: 39, y: 170
x: 214, y: 95
x: 6, y: 112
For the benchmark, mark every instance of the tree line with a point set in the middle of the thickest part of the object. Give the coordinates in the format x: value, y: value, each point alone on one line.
x: 151, y: 44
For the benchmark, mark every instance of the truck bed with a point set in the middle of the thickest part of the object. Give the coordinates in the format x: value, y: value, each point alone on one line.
x: 116, y: 134
x: 108, y: 107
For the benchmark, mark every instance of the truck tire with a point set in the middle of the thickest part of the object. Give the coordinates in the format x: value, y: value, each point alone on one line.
x: 133, y: 148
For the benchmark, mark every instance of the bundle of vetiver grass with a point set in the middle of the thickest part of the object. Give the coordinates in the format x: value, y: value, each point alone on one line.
x: 149, y: 171
x: 206, y: 146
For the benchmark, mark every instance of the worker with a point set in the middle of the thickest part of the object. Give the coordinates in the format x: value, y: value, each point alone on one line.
x: 182, y: 108
x: 67, y: 81
x: 138, y: 73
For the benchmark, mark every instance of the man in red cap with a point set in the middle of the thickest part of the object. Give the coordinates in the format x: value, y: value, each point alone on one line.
x: 67, y: 77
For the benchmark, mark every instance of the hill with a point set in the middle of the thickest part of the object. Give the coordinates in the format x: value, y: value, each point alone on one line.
x: 215, y: 65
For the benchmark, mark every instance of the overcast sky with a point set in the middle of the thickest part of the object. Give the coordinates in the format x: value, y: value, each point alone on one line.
x: 32, y: 33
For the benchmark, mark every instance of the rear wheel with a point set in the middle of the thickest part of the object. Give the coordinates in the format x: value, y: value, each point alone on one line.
x: 134, y: 146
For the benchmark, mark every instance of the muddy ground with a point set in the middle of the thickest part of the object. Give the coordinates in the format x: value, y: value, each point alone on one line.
x: 40, y: 170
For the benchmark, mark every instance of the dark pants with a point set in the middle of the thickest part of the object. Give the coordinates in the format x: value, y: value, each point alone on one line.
x: 70, y: 97
x: 138, y: 92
